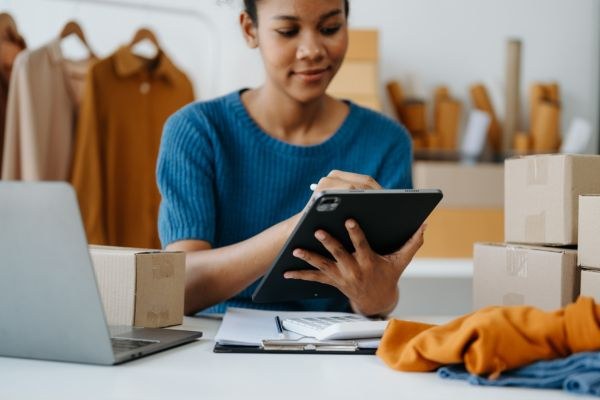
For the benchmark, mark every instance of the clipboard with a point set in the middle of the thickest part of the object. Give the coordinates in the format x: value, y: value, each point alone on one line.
x: 294, y: 347
x: 255, y: 331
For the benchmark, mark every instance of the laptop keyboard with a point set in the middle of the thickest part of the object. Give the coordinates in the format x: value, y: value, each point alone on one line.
x: 121, y: 344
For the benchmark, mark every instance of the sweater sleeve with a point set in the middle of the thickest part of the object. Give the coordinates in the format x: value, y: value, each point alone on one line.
x: 185, y: 176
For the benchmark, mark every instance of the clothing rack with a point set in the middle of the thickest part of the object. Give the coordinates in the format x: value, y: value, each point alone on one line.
x: 163, y: 9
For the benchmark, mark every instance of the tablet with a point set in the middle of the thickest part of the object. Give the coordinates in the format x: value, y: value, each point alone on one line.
x: 388, y: 218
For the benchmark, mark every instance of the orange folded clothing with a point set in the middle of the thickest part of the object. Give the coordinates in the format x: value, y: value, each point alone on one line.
x: 493, y: 339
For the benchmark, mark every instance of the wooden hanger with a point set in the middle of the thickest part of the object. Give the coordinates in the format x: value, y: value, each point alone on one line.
x: 144, y: 33
x: 8, y: 29
x: 73, y: 28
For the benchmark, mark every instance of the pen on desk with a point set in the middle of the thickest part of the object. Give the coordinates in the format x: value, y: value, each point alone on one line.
x: 279, y: 326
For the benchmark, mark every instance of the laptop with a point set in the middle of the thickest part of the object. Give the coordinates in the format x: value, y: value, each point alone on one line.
x: 50, y: 306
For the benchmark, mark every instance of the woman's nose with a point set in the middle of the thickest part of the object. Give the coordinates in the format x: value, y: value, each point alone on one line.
x: 310, y: 48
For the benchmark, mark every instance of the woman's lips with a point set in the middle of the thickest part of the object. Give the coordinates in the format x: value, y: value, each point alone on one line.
x: 311, y: 75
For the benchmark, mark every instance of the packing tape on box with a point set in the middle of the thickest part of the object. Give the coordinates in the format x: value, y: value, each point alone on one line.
x: 537, y: 171
x: 513, y: 299
x: 535, y: 227
x: 516, y: 262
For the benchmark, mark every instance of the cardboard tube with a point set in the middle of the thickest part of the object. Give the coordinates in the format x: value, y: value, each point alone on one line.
x: 414, y: 117
x: 396, y: 96
x: 513, y: 77
x: 553, y: 92
x: 537, y: 95
x: 441, y: 93
x: 432, y: 141
x: 522, y: 143
x: 545, y: 132
x: 481, y: 101
x: 449, y: 114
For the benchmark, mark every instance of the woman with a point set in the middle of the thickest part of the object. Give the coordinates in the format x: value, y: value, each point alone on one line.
x: 235, y: 172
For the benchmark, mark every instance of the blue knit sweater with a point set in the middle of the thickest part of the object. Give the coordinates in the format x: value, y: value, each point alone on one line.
x: 223, y: 179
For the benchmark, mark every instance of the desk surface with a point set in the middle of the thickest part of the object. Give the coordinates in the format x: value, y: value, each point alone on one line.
x: 193, y: 371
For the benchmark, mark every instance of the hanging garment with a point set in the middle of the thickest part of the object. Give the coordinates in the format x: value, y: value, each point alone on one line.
x: 578, y: 373
x: 493, y: 339
x: 45, y: 90
x: 127, y: 101
x: 11, y: 44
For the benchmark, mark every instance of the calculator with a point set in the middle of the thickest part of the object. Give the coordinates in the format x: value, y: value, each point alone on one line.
x: 336, y: 327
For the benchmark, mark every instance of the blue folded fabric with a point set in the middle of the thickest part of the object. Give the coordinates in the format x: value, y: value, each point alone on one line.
x: 578, y: 373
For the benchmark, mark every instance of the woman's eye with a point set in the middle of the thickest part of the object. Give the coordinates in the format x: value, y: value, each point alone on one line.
x: 330, y: 30
x: 287, y: 32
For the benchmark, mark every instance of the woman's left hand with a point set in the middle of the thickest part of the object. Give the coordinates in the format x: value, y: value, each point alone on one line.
x: 369, y: 280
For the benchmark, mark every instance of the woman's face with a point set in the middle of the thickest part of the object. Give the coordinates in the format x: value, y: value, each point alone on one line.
x: 302, y: 43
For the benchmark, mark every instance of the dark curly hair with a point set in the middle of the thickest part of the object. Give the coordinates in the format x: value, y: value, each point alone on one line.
x: 250, y: 8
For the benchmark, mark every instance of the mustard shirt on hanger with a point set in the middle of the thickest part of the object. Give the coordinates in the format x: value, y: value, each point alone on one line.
x: 127, y: 100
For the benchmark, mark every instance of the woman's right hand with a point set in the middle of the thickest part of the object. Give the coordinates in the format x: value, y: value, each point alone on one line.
x: 335, y: 180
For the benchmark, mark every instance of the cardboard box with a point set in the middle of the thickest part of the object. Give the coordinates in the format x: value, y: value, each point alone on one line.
x: 451, y: 232
x: 589, y: 231
x: 544, y: 277
x: 363, y: 45
x: 590, y: 284
x: 478, y: 186
x: 541, y: 196
x: 140, y: 287
x: 356, y: 78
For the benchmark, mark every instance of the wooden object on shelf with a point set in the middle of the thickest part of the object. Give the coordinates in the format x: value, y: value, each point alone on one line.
x: 396, y: 96
x: 449, y: 121
x: 522, y: 143
x: 545, y: 135
x: 414, y: 117
x: 481, y: 101
x: 440, y: 94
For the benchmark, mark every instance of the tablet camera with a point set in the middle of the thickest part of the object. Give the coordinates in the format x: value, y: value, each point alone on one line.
x: 328, y: 203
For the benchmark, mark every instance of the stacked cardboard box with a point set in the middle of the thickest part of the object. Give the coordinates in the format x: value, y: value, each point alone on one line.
x: 589, y: 245
x: 358, y: 77
x: 538, y: 263
x: 470, y: 211
x: 140, y: 287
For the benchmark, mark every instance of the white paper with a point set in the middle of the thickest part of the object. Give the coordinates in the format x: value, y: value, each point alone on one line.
x: 578, y: 137
x: 476, y: 133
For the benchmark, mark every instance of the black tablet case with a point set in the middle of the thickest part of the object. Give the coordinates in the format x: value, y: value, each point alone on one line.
x: 388, y: 217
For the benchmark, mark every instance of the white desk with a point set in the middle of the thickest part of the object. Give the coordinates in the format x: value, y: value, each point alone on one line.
x: 193, y: 371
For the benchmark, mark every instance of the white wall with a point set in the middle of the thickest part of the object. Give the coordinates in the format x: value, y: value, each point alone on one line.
x: 423, y: 42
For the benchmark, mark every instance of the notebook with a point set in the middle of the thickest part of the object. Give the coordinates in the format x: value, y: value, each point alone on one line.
x: 50, y: 306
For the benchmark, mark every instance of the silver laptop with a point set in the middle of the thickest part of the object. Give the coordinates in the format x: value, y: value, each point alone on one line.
x: 50, y: 307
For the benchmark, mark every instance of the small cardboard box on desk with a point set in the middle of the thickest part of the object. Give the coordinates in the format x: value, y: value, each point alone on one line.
x: 506, y: 274
x: 589, y: 245
x: 139, y: 287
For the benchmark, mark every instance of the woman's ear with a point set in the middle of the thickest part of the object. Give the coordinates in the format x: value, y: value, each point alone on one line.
x: 249, y: 30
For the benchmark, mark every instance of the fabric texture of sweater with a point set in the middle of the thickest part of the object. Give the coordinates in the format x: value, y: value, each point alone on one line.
x: 223, y: 179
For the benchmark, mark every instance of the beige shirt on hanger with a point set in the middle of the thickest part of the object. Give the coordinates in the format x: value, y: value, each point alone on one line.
x: 45, y: 91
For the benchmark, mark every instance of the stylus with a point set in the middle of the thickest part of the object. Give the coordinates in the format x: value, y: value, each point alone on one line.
x: 279, y: 326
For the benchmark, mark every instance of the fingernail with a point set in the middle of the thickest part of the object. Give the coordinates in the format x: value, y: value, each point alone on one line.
x: 287, y: 275
x: 351, y: 224
x: 319, y: 235
x: 298, y: 253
